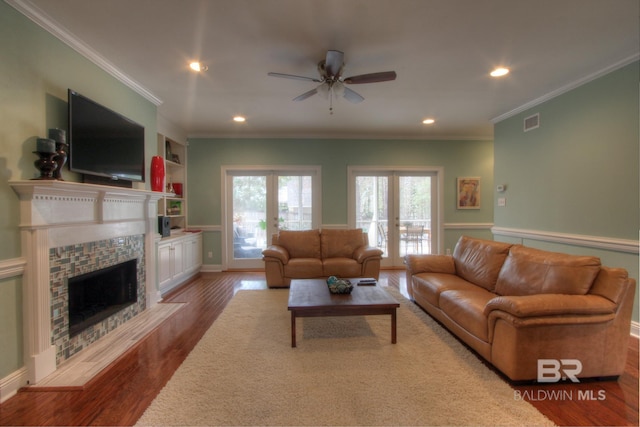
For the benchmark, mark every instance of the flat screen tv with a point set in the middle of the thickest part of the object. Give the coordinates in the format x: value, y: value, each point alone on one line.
x: 104, y: 144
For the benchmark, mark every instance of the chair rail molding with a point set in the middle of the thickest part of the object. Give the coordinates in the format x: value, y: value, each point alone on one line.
x: 468, y: 225
x: 597, y: 242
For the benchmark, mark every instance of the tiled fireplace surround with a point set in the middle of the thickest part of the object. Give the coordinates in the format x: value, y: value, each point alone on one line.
x: 73, y: 228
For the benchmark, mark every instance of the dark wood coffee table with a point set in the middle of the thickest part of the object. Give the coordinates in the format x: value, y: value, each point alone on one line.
x: 311, y: 298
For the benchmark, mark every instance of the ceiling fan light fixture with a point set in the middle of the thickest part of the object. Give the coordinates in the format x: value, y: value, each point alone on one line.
x: 323, y: 90
x: 338, y: 88
x: 239, y: 119
x: 499, y: 72
x: 428, y: 121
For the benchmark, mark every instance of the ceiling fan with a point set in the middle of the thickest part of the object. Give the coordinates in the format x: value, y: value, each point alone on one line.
x: 332, y: 82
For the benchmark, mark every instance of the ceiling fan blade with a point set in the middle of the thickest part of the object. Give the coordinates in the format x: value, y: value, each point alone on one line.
x: 306, y: 95
x: 383, y: 76
x: 352, y: 96
x: 291, y: 76
x: 333, y: 63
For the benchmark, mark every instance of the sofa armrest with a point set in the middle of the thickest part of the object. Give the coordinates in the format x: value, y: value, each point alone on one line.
x: 278, y: 252
x: 429, y: 264
x: 551, y: 305
x: 362, y: 253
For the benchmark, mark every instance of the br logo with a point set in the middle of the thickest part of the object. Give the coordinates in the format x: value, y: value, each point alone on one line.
x: 553, y: 370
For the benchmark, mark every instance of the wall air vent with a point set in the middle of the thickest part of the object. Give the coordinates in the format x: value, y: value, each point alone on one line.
x: 532, y: 122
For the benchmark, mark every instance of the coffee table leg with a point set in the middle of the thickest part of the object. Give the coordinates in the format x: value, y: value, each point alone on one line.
x: 393, y: 326
x: 293, y: 328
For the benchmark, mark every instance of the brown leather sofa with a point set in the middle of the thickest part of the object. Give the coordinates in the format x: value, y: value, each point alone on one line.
x: 516, y: 306
x: 310, y: 254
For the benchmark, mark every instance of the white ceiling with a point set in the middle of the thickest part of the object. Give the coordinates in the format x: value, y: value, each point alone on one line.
x: 442, y: 51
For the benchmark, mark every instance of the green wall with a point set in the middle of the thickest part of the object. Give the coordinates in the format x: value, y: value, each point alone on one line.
x: 459, y: 158
x: 36, y: 69
x: 578, y: 173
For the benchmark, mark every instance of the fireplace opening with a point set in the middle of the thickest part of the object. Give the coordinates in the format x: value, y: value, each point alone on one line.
x: 97, y: 295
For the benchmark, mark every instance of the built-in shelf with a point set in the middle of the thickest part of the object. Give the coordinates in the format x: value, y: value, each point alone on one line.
x: 173, y: 204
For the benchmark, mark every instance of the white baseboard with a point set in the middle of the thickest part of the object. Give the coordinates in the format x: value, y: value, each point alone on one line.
x: 211, y: 268
x: 10, y: 384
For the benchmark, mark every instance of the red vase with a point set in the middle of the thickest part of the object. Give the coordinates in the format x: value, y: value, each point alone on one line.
x: 157, y: 173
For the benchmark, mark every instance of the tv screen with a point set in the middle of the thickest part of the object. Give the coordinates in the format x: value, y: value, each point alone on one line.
x: 104, y: 143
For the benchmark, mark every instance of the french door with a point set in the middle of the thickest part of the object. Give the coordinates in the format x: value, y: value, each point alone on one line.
x: 399, y: 208
x: 259, y: 202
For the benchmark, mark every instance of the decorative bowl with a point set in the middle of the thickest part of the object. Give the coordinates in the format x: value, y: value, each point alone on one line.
x: 339, y: 286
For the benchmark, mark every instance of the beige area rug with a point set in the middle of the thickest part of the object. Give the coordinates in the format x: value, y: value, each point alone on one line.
x: 345, y: 371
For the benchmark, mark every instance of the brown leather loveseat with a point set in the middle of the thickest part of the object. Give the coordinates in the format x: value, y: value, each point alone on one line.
x: 310, y: 254
x: 521, y: 308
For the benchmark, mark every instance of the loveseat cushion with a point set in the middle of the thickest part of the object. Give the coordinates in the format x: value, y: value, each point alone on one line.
x: 340, y: 243
x: 303, y: 268
x: 300, y: 243
x: 529, y: 271
x: 479, y: 261
x: 341, y: 267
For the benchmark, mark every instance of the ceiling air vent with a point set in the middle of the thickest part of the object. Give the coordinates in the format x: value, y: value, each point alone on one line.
x: 532, y: 122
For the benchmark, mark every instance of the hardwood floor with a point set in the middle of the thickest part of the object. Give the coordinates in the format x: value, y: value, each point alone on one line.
x: 121, y: 393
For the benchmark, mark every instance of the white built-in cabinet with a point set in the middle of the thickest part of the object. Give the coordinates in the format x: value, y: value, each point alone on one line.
x: 179, y: 259
x: 180, y: 254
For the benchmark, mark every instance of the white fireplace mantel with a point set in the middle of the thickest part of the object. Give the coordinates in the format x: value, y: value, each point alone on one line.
x: 60, y: 213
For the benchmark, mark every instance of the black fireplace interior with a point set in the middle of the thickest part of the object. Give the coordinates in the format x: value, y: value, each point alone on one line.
x: 97, y: 295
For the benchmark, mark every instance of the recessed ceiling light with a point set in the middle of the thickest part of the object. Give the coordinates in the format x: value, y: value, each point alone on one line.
x: 196, y: 66
x: 239, y: 119
x: 499, y: 72
x: 428, y: 121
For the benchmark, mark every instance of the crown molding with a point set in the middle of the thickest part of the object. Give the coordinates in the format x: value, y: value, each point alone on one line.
x: 567, y: 88
x: 337, y: 135
x: 36, y: 15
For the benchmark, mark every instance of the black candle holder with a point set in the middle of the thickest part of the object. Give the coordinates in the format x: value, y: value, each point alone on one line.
x: 46, y: 164
x: 60, y: 137
x: 61, y: 150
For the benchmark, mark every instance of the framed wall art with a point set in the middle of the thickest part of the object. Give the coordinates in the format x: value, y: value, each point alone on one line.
x: 468, y: 192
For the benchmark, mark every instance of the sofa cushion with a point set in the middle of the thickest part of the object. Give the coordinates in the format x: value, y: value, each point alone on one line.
x: 466, y: 308
x: 431, y: 285
x: 529, y: 271
x: 300, y: 243
x: 479, y: 261
x: 340, y: 243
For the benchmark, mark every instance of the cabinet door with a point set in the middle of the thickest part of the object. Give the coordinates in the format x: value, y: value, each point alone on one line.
x: 178, y: 258
x: 193, y: 254
x: 165, y: 264
x: 197, y: 252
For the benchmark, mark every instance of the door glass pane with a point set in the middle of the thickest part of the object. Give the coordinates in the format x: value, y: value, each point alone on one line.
x: 295, y: 198
x: 415, y: 215
x: 372, y: 212
x: 249, y: 216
